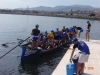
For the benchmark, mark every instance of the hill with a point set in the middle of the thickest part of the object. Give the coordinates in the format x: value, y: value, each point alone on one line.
x: 62, y: 8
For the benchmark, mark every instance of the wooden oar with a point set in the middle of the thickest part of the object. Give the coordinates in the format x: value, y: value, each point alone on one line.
x: 14, y: 47
x: 5, y: 44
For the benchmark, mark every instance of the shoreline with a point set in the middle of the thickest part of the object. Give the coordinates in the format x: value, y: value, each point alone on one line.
x: 78, y: 16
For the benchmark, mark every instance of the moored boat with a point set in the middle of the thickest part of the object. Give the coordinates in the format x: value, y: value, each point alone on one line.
x: 29, y: 53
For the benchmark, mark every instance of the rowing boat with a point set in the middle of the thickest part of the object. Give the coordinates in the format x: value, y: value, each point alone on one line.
x: 29, y: 53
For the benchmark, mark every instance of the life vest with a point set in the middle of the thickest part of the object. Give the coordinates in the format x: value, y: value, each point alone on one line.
x: 50, y: 35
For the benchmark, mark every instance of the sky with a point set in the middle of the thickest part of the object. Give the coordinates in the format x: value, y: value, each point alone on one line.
x: 12, y: 4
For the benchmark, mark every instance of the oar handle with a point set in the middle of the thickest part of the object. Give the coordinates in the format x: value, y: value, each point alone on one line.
x: 23, y: 41
x: 14, y: 47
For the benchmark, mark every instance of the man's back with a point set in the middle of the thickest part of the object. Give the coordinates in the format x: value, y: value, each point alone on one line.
x: 82, y: 46
x: 36, y: 32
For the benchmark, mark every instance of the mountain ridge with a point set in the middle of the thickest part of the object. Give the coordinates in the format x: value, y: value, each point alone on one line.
x: 62, y: 8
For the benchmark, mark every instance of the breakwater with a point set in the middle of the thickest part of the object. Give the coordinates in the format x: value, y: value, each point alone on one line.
x: 79, y: 16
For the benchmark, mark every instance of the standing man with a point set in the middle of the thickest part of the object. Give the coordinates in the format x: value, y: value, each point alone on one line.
x: 88, y: 31
x: 36, y: 36
x: 84, y: 55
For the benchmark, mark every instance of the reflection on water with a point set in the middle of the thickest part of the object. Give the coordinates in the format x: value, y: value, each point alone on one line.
x: 43, y: 65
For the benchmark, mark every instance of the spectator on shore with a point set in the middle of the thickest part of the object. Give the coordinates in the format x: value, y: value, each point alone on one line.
x: 88, y: 31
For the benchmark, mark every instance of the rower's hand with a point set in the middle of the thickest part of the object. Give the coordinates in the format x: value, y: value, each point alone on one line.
x: 70, y: 60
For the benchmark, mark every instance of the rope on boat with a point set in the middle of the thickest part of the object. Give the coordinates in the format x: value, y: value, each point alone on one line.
x: 15, y: 47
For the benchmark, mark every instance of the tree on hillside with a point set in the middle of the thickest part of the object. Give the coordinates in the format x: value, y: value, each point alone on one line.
x: 92, y: 14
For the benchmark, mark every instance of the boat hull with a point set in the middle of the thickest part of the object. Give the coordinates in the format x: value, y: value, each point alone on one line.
x: 28, y: 53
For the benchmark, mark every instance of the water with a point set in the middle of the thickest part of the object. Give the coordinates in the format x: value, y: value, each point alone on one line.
x: 20, y: 26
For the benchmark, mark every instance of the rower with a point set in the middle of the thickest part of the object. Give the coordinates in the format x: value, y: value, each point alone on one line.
x: 64, y: 29
x: 36, y: 36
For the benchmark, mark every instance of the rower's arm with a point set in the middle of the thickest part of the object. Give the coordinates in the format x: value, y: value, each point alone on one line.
x: 68, y: 36
x: 72, y: 54
x: 32, y: 32
x: 39, y: 37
